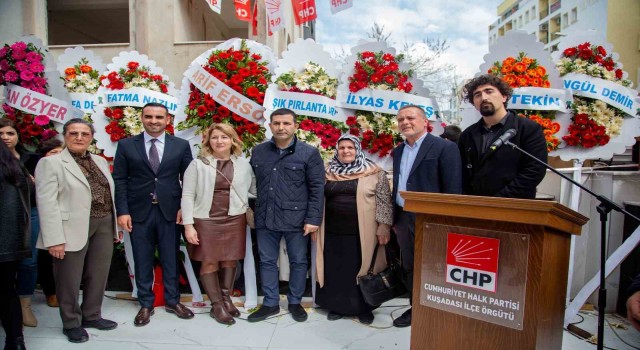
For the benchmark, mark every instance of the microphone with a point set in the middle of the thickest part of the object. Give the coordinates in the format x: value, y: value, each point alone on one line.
x: 508, y: 135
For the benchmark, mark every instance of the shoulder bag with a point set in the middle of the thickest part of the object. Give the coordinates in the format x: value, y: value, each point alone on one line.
x: 383, y: 286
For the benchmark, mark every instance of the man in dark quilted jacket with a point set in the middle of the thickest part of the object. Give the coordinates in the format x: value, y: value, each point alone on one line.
x: 290, y: 187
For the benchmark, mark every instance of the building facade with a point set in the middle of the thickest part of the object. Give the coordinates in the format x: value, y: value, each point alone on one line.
x: 170, y: 32
x: 550, y: 20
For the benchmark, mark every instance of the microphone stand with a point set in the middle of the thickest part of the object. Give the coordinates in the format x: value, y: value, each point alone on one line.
x: 605, y: 206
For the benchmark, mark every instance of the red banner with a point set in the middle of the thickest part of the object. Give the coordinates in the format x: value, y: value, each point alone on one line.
x: 304, y: 11
x: 254, y: 19
x: 243, y: 10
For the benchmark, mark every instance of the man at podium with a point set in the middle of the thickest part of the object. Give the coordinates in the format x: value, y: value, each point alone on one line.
x: 487, y: 168
x: 423, y: 163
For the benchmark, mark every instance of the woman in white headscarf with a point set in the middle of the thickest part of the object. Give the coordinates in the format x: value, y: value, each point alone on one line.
x: 357, y: 217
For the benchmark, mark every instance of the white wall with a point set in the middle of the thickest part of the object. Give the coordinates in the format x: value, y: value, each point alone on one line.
x: 619, y: 186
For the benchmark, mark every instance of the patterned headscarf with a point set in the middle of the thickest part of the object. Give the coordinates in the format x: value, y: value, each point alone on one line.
x: 361, y: 165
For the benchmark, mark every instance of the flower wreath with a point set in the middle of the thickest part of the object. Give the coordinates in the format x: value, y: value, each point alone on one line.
x: 594, y: 122
x: 318, y: 132
x: 243, y: 71
x: 378, y: 70
x: 21, y: 64
x: 125, y: 121
x: 83, y: 78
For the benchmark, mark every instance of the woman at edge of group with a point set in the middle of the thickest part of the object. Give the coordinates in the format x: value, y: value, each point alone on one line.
x: 15, y: 185
x: 28, y: 268
x: 215, y: 192
x: 358, y: 216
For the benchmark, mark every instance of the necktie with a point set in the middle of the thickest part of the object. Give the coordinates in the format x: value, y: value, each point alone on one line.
x: 154, y: 158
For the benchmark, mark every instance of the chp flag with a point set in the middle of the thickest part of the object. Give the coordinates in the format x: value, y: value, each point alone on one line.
x: 304, y: 11
x: 275, y: 15
x: 340, y: 5
x: 243, y: 10
x: 472, y: 261
x: 216, y: 5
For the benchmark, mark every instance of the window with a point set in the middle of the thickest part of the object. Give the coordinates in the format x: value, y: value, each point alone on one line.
x: 565, y: 20
x: 78, y: 22
x: 526, y: 17
x: 533, y: 13
x: 574, y: 15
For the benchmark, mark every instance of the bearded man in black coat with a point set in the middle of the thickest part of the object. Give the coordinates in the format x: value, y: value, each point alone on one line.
x: 503, y: 171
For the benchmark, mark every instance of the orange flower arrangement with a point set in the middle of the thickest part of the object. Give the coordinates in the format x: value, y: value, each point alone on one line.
x: 81, y: 78
x: 549, y: 127
x: 521, y: 71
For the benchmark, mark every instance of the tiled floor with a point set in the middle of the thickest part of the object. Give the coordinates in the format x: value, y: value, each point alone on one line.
x: 279, y: 333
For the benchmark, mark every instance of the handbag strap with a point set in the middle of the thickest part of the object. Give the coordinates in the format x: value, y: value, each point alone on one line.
x: 373, y: 260
x: 206, y: 161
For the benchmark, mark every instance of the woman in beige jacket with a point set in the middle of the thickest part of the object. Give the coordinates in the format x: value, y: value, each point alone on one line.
x: 215, y: 193
x: 75, y: 195
x: 357, y: 217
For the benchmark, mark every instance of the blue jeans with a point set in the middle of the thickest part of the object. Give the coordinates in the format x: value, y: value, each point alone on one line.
x: 28, y: 268
x: 269, y: 249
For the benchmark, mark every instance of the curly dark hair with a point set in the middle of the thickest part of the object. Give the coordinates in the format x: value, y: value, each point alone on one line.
x: 487, y: 79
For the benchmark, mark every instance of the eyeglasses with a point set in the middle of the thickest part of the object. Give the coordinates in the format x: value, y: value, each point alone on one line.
x: 75, y: 134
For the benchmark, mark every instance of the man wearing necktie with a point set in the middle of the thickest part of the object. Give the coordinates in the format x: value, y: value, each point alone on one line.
x: 147, y: 172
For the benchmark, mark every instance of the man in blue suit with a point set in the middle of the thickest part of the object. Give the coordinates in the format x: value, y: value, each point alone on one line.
x: 147, y: 172
x: 423, y: 163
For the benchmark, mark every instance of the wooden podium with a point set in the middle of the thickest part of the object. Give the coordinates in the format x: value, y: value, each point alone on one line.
x: 489, y: 273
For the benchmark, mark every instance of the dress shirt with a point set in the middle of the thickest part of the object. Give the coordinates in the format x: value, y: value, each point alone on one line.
x: 489, y: 133
x: 409, y: 154
x: 159, y: 144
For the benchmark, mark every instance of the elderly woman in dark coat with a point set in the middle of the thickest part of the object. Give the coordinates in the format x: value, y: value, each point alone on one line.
x: 357, y: 217
x: 15, y: 232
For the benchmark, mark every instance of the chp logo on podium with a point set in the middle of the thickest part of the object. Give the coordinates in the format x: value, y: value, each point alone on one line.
x: 472, y: 261
x: 459, y: 273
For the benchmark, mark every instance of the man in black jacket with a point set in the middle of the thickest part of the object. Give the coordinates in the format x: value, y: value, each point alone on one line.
x: 290, y: 184
x: 504, y: 171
